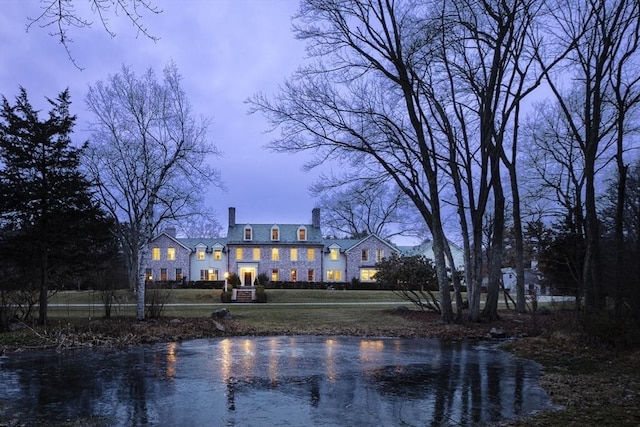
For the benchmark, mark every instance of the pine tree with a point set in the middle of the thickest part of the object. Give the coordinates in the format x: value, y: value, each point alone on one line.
x: 49, y: 223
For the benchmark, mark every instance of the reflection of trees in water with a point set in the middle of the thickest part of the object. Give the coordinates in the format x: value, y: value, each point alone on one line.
x: 358, y: 384
x: 302, y: 387
x: 469, y: 387
x: 137, y: 393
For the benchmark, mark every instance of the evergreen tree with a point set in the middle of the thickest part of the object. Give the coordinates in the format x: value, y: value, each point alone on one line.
x: 50, y: 228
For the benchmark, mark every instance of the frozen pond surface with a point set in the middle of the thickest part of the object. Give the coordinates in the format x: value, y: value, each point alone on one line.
x: 278, y: 381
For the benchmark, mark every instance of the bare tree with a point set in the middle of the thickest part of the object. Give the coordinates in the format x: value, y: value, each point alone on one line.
x: 149, y: 157
x: 366, y: 207
x: 201, y: 225
x: 599, y: 35
x: 484, y: 72
x: 359, y: 104
x: 62, y: 15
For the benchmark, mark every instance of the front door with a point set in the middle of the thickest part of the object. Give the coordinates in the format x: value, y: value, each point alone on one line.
x: 248, y: 274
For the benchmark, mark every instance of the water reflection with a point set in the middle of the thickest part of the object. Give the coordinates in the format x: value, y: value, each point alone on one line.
x: 273, y: 380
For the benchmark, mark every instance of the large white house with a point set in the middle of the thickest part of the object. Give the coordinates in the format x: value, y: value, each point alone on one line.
x: 284, y: 252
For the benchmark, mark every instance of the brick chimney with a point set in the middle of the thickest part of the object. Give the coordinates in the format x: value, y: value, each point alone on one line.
x: 171, y: 231
x: 315, y: 217
x: 232, y: 217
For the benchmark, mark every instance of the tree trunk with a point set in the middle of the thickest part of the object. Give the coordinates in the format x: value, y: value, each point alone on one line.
x: 519, y: 243
x: 594, y: 296
x: 143, y: 258
x: 456, y: 282
x: 490, y: 310
x: 446, y: 314
x: 44, y: 267
x: 474, y: 288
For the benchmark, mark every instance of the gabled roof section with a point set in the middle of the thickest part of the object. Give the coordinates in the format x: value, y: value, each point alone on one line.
x: 394, y: 248
x: 168, y: 236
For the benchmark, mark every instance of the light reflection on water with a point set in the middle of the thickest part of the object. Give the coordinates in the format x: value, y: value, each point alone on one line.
x: 287, y: 381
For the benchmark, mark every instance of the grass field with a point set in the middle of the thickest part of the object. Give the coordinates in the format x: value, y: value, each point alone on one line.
x: 212, y: 296
x: 307, y: 309
x: 201, y: 302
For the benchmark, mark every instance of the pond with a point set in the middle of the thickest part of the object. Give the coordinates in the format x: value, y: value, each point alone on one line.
x: 279, y: 381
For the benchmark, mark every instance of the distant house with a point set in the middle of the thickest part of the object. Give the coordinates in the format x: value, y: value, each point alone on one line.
x: 532, y: 281
x: 283, y: 252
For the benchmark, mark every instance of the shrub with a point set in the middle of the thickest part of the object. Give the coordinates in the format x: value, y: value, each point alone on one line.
x: 225, y: 296
x: 155, y: 300
x: 261, y: 295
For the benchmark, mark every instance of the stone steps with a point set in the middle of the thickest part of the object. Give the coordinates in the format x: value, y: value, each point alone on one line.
x: 243, y: 296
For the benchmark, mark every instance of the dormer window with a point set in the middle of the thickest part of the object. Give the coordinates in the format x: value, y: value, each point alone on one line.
x: 248, y: 234
x: 275, y: 233
x: 302, y: 233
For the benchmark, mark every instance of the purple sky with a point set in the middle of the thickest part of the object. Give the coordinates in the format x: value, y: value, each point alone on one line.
x: 226, y: 51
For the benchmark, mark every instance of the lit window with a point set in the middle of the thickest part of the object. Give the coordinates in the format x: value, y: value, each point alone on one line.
x: 275, y: 233
x: 239, y: 253
x: 334, y: 275
x: 217, y: 254
x: 302, y: 234
x: 310, y: 275
x: 275, y: 254
x: 294, y: 275
x: 256, y: 254
x: 274, y: 275
x: 147, y: 274
x: 155, y: 254
x: 171, y: 254
x: 247, y: 233
x: 163, y: 274
x: 178, y: 274
x: 311, y: 254
x: 209, y: 275
x: 200, y: 254
x: 334, y: 254
x: 294, y: 254
x: 366, y: 275
x: 379, y: 255
x: 365, y: 255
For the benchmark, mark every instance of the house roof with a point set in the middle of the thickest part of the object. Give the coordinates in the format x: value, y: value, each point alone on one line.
x: 344, y: 244
x: 208, y: 242
x: 424, y: 247
x: 261, y: 234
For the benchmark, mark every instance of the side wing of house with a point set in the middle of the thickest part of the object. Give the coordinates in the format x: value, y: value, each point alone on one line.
x: 361, y: 258
x: 169, y: 259
x: 208, y: 259
x: 335, y: 259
